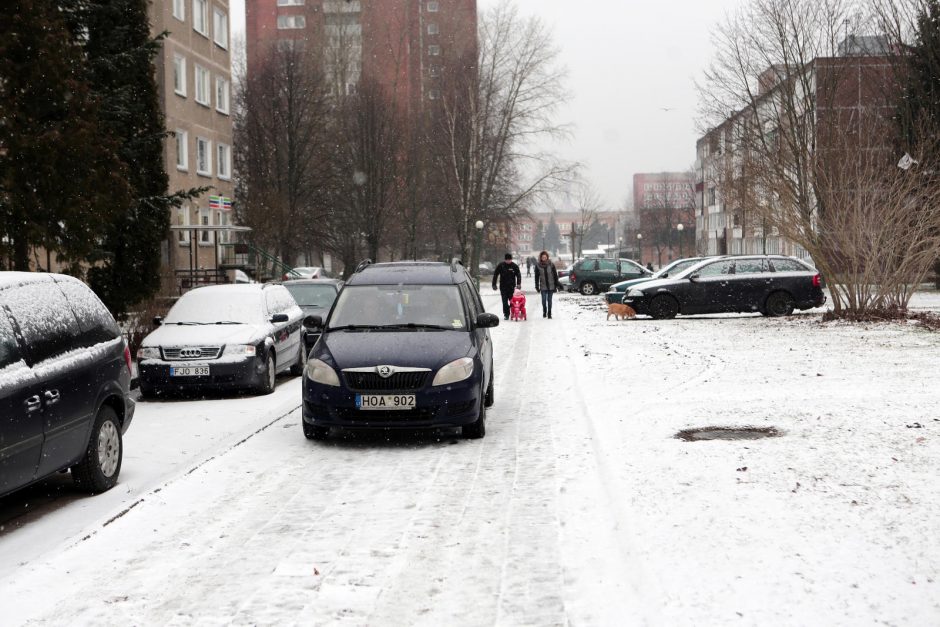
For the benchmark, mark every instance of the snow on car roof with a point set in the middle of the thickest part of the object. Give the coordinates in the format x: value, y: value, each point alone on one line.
x: 19, y: 278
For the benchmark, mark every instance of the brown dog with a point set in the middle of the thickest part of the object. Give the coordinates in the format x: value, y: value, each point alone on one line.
x: 620, y: 312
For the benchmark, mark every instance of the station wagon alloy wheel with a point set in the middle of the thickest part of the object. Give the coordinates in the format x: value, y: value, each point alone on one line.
x: 779, y: 304
x: 588, y: 289
x: 663, y: 307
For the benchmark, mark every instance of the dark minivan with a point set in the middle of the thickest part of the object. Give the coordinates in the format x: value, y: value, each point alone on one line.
x: 64, y: 383
x: 406, y: 345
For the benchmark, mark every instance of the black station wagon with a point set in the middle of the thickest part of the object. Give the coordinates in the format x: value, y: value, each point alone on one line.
x: 406, y: 345
x: 770, y: 284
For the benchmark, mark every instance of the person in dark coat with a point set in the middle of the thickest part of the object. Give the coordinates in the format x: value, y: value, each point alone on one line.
x: 510, y: 277
x: 528, y: 266
x: 546, y: 282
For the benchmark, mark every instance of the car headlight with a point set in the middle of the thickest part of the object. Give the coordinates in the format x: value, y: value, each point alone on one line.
x: 320, y: 372
x: 148, y: 352
x: 635, y: 293
x: 248, y: 350
x: 455, y: 371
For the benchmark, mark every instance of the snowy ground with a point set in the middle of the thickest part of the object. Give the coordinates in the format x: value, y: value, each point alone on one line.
x: 579, y: 507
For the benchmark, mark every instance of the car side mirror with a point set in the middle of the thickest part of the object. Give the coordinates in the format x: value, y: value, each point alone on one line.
x: 157, y: 321
x: 313, y: 322
x: 694, y: 277
x: 487, y: 321
x: 281, y: 317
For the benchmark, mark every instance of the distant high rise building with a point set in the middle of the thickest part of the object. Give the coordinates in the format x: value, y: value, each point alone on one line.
x: 402, y: 44
x: 194, y: 79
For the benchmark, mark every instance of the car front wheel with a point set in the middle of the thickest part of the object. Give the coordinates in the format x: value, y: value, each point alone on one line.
x: 268, y: 376
x: 664, y: 307
x: 298, y: 368
x: 476, y: 429
x: 99, y: 469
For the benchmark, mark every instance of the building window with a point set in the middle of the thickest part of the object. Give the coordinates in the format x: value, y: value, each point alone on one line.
x: 290, y: 3
x: 433, y: 7
x: 205, y: 219
x: 224, y: 158
x: 220, y: 27
x: 179, y: 75
x: 434, y: 94
x: 202, y: 85
x: 201, y: 17
x: 203, y: 156
x: 434, y: 50
x: 182, y: 150
x: 434, y: 71
x: 711, y: 196
x: 221, y: 95
x: 291, y: 21
x: 182, y: 219
x: 433, y: 29
x: 179, y: 10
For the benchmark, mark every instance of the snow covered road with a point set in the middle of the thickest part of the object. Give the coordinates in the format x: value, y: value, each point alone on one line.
x: 579, y: 507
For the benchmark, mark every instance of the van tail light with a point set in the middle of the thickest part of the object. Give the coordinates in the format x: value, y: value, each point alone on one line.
x: 573, y: 278
x: 127, y: 358
x: 817, y: 281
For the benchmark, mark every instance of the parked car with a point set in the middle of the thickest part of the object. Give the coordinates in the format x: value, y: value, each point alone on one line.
x: 65, y: 375
x: 306, y: 272
x: 770, y: 284
x: 592, y: 276
x: 224, y: 336
x: 315, y: 298
x: 406, y: 345
x: 617, y: 290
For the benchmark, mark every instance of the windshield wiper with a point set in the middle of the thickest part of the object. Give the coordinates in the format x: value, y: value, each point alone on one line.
x: 415, y: 325
x: 187, y: 323
x: 228, y: 322
x: 353, y: 327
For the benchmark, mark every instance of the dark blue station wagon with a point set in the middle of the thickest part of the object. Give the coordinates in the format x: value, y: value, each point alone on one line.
x: 406, y: 345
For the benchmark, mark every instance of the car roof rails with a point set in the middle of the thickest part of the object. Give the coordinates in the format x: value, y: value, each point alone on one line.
x: 362, y: 265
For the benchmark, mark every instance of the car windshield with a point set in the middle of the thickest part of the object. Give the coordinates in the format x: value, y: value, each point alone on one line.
x: 374, y: 306
x: 312, y: 295
x: 695, y: 267
x: 212, y: 306
x: 676, y: 267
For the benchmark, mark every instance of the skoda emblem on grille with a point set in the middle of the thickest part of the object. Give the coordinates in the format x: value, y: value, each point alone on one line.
x: 189, y: 353
x: 385, y: 371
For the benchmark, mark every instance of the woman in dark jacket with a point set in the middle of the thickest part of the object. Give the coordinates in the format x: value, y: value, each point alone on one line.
x: 546, y: 282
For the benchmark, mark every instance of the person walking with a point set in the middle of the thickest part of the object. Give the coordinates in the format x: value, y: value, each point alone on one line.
x: 510, y: 277
x: 528, y: 266
x: 546, y: 282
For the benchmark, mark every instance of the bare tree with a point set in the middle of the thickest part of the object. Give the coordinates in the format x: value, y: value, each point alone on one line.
x: 283, y: 160
x: 812, y: 132
x: 492, y: 111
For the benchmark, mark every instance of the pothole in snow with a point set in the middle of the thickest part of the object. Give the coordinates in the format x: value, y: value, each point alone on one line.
x: 728, y: 433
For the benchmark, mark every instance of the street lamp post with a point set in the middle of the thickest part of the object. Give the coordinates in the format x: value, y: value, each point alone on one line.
x: 639, y: 247
x: 680, y: 227
x: 479, y: 248
x: 619, y: 245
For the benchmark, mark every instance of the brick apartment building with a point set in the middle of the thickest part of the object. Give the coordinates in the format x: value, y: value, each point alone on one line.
x: 402, y: 44
x: 665, y: 205
x: 857, y: 81
x: 194, y: 81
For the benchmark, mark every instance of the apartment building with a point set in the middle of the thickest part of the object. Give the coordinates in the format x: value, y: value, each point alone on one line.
x: 194, y: 79
x: 403, y: 44
x: 856, y: 84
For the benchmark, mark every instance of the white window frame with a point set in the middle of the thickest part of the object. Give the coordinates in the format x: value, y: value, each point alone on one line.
x: 291, y: 3
x: 182, y: 150
x: 434, y: 50
x: 288, y: 22
x: 182, y: 218
x: 207, y: 144
x: 223, y: 160
x: 203, y: 84
x: 222, y: 95
x: 433, y: 28
x: 179, y: 75
x: 201, y: 17
x: 433, y: 6
x: 206, y: 238
x: 179, y: 10
x: 220, y: 27
x: 434, y: 94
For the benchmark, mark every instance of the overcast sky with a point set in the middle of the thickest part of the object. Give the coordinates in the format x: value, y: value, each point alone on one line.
x: 627, y: 61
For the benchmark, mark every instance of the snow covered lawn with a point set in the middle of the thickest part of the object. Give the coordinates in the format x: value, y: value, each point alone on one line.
x: 579, y: 507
